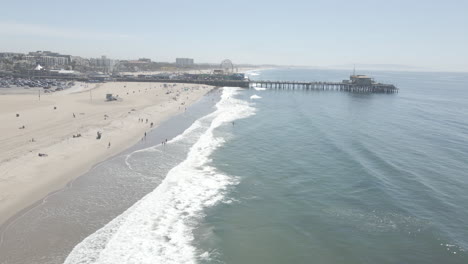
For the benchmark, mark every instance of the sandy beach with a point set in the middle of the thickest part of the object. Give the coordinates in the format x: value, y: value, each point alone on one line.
x: 64, y: 126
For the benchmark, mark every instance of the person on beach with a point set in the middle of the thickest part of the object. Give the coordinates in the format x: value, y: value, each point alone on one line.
x: 74, y: 115
x: 108, y: 146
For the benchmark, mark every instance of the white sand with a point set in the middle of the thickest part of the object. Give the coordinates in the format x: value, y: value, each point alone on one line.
x: 26, y: 178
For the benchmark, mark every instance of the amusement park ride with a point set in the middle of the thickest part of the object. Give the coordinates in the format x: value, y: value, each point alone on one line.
x: 227, y: 66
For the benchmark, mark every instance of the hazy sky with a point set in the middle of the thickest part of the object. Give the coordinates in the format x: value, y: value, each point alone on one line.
x: 428, y: 34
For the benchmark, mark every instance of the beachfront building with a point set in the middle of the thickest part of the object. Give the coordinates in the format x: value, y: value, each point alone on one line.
x: 50, y: 58
x: 47, y: 60
x: 98, y: 77
x: 184, y: 62
x: 103, y: 64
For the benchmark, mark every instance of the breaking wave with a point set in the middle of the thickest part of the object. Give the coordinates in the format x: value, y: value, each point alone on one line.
x: 158, y: 228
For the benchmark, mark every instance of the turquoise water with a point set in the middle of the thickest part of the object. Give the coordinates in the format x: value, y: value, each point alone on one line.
x: 333, y: 177
x: 289, y: 176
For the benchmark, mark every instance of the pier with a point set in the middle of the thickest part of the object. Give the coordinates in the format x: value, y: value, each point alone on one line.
x: 326, y: 86
x: 355, y: 84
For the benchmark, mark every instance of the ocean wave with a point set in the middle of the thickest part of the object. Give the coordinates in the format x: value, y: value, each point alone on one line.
x: 255, y: 97
x: 253, y: 72
x: 260, y: 88
x: 158, y: 228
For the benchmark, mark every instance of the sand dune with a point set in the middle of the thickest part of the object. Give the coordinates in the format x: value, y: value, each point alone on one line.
x: 51, y: 122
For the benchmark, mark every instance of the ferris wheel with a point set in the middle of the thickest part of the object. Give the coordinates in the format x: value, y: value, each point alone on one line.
x: 227, y: 66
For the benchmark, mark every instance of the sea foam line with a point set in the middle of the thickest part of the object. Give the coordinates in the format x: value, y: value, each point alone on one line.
x: 158, y: 228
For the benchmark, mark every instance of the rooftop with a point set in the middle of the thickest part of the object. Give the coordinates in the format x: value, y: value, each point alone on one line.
x: 360, y: 76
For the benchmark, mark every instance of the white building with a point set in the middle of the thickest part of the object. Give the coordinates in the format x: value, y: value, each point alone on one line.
x: 79, y: 61
x: 47, y: 60
x: 103, y: 63
x: 184, y: 62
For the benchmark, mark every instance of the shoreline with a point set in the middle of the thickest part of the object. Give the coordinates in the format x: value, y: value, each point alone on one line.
x: 22, y: 187
x: 49, y: 229
x: 162, y: 221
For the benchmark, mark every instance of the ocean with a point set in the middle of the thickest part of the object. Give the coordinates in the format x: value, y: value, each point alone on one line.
x: 293, y: 176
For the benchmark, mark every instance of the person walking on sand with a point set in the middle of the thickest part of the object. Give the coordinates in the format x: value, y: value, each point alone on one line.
x: 108, y: 146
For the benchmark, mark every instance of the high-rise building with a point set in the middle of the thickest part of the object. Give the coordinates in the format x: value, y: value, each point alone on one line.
x: 183, y: 62
x: 103, y: 64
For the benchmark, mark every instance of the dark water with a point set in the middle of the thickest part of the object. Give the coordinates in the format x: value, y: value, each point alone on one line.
x: 333, y: 177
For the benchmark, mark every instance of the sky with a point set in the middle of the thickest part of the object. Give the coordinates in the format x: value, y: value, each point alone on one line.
x: 409, y: 34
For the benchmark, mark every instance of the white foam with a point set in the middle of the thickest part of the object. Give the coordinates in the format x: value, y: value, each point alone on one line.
x: 255, y: 97
x: 260, y: 88
x: 158, y: 228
